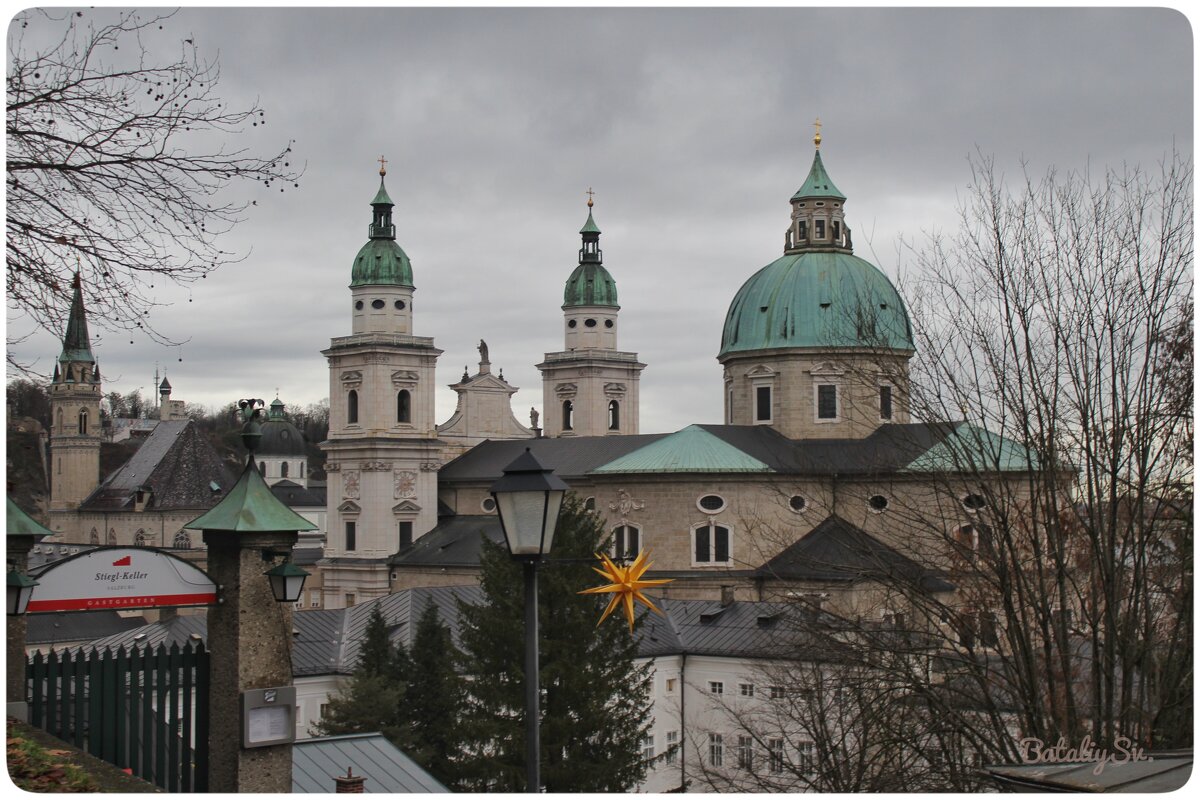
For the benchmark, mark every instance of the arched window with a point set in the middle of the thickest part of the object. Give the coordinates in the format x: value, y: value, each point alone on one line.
x: 58, y: 420
x: 614, y: 415
x: 568, y: 415
x: 300, y: 469
x: 711, y: 544
x: 183, y: 540
x: 352, y: 407
x: 262, y: 468
x: 111, y: 541
x: 94, y: 537
x: 83, y: 422
x: 626, y: 542
x: 139, y: 538
x: 404, y: 406
x: 283, y: 470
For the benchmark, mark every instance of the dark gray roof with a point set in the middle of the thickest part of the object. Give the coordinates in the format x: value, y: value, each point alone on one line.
x: 77, y: 626
x: 456, y: 541
x: 316, y: 762
x: 1158, y: 772
x: 280, y: 438
x: 178, y: 465
x: 569, y: 457
x: 837, y: 550
x: 178, y: 630
x: 293, y: 495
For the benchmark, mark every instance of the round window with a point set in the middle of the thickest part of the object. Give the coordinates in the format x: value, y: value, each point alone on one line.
x: 608, y: 323
x: 358, y: 306
x: 877, y: 502
x: 797, y: 503
x: 591, y: 323
x: 399, y: 305
x: 377, y: 304
x: 488, y: 505
x: 572, y: 323
x: 711, y: 503
x: 974, y: 502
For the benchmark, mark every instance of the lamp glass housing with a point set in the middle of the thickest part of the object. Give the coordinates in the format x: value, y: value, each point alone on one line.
x: 287, y: 582
x: 20, y: 590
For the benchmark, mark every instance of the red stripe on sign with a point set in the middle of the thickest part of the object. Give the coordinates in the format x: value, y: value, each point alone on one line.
x: 136, y: 601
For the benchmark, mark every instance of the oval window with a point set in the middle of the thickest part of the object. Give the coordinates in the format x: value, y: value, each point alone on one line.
x: 877, y: 502
x: 488, y: 505
x: 797, y: 503
x: 608, y: 323
x: 399, y: 305
x: 974, y: 502
x: 711, y: 503
x: 358, y: 306
x: 377, y: 304
x: 572, y: 323
x: 591, y: 323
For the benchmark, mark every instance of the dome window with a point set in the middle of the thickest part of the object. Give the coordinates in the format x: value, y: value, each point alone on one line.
x: 827, y: 401
x: 404, y: 406
x: 614, y: 415
x: 591, y: 323
x: 377, y: 304
x: 974, y: 502
x: 352, y: 407
x: 399, y: 305
x: 797, y: 503
x: 608, y: 323
x: 877, y: 503
x: 820, y: 226
x: 711, y: 503
x: 820, y: 202
x: 572, y: 323
x: 488, y: 505
x: 885, y: 402
x: 568, y: 413
x: 358, y: 306
x: 283, y: 468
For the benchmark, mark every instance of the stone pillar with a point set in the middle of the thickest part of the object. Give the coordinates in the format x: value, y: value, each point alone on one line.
x: 250, y: 640
x: 18, y: 558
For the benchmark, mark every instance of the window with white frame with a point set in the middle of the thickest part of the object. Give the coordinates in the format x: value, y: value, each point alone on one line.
x: 806, y: 755
x: 777, y: 692
x: 716, y: 749
x: 746, y: 689
x: 627, y: 542
x: 670, y: 687
x: 827, y: 402
x: 716, y: 687
x: 775, y: 755
x: 672, y: 747
x: 648, y: 747
x: 745, y: 752
x: 711, y: 544
x: 762, y: 404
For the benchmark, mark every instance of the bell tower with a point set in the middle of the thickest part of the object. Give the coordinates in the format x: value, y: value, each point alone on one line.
x: 383, y: 452
x: 590, y: 388
x: 75, y: 423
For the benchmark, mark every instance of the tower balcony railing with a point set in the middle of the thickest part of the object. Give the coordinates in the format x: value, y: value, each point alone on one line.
x: 397, y: 339
x: 592, y: 352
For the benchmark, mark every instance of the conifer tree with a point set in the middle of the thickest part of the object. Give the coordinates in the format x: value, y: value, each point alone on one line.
x: 433, y: 701
x: 595, y: 700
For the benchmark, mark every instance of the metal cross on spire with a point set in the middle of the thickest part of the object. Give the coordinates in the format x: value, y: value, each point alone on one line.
x: 382, y: 166
x: 817, y: 135
x: 589, y: 193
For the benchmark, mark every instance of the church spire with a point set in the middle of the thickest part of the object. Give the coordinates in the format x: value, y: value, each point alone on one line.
x: 818, y: 220
x: 77, y: 345
x: 381, y: 221
x: 590, y: 253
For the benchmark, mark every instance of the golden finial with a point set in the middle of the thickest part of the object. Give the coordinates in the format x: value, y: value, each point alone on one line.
x: 817, y: 136
x: 589, y: 193
x: 382, y: 166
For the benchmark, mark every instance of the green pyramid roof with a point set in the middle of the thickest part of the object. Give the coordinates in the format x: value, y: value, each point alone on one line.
x: 590, y: 225
x: 77, y: 346
x: 692, y: 449
x: 21, y: 524
x: 818, y: 183
x: 969, y: 447
x: 381, y: 197
x: 251, y: 508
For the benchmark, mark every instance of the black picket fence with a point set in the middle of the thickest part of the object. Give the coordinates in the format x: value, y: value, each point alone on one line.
x: 144, y: 710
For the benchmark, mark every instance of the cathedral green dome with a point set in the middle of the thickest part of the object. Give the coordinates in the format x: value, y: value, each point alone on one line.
x: 816, y: 299
x: 381, y: 262
x: 590, y: 285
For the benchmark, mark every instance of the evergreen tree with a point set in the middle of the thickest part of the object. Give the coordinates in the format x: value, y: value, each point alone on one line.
x: 433, y: 701
x: 595, y: 701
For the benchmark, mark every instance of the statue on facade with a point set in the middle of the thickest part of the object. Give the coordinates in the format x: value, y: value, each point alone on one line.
x: 483, y: 352
x: 533, y: 417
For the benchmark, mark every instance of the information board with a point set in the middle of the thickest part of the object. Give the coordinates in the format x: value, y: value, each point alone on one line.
x: 120, y: 577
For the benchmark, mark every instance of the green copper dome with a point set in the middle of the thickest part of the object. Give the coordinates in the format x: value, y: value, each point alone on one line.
x: 381, y: 262
x: 590, y: 284
x: 816, y: 299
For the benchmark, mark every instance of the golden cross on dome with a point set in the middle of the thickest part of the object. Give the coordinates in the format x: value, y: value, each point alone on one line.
x: 589, y: 193
x: 817, y: 136
x: 382, y: 166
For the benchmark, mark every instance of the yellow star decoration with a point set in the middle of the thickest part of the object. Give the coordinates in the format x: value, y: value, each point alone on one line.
x: 625, y: 586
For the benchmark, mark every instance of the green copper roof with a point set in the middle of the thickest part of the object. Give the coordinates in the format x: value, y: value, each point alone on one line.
x: 21, y: 524
x: 970, y: 448
x: 381, y: 197
x: 817, y: 299
x: 590, y: 285
x: 590, y: 225
x: 77, y: 346
x: 251, y: 508
x: 381, y: 262
x: 818, y: 183
x: 692, y: 449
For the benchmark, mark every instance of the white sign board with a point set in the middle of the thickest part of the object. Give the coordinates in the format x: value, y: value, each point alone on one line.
x: 120, y: 577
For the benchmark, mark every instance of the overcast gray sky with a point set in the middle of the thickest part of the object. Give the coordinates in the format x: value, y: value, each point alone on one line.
x: 692, y: 125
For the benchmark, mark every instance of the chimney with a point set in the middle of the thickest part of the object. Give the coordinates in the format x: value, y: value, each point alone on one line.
x: 726, y: 595
x: 349, y: 783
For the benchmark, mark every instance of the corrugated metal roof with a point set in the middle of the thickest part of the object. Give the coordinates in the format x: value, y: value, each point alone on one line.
x: 692, y: 449
x: 77, y: 626
x: 317, y: 762
x: 456, y: 541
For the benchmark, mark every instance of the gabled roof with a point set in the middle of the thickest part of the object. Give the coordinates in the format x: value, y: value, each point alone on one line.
x: 317, y: 762
x: 456, y: 541
x: 176, y: 463
x: 837, y: 550
x: 692, y: 449
x: 569, y: 457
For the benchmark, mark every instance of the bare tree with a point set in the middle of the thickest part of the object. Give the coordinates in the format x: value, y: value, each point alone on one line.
x: 118, y: 165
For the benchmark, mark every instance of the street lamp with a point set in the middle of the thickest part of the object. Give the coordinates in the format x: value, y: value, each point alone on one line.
x: 528, y: 498
x: 20, y: 589
x: 287, y: 582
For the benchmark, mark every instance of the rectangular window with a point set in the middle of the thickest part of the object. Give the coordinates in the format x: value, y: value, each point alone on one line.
x: 626, y: 545
x: 314, y: 598
x: 775, y: 752
x: 745, y: 753
x: 716, y: 750
x: 406, y: 529
x: 721, y: 548
x: 648, y: 747
x: 670, y: 684
x: 672, y: 747
x: 826, y: 401
x: 762, y: 403
x: 803, y: 229
x: 702, y: 546
x: 885, y: 402
x: 777, y: 693
x: 837, y: 230
x: 716, y: 687
x: 350, y: 600
x: 324, y: 710
x: 746, y: 689
x: 806, y: 753
x: 351, y: 535
x: 820, y: 224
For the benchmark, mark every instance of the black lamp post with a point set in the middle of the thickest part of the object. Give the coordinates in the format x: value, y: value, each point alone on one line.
x: 528, y: 499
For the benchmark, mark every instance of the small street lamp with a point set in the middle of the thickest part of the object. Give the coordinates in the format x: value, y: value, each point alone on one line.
x: 528, y: 498
x: 287, y: 582
x: 20, y: 589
